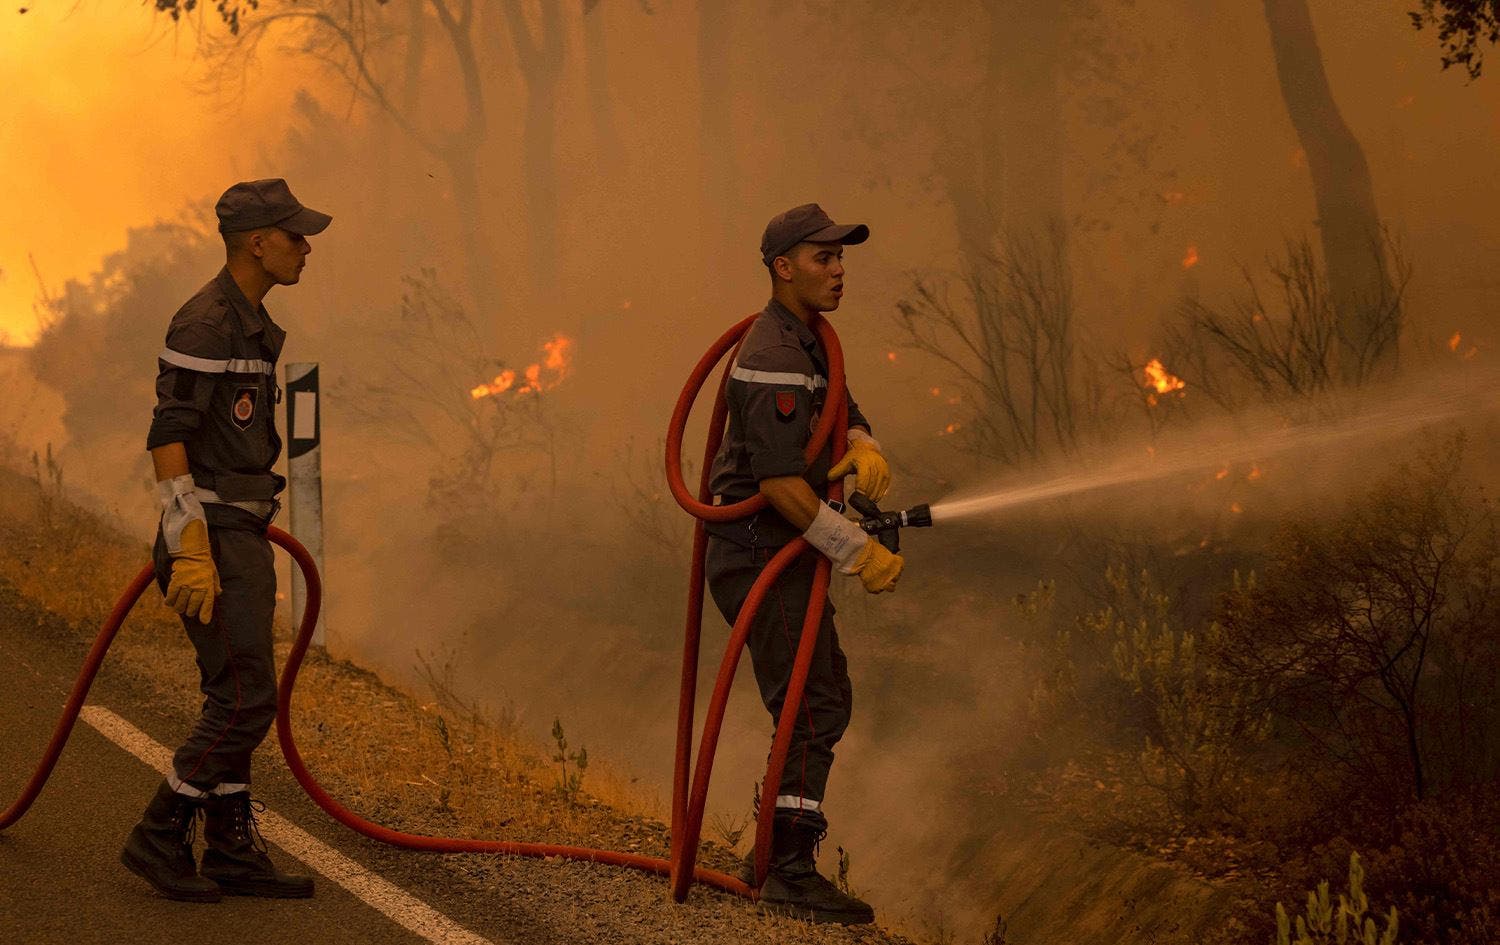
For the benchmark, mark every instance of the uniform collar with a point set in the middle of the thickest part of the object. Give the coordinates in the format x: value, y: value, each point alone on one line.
x: 804, y: 333
x: 252, y: 321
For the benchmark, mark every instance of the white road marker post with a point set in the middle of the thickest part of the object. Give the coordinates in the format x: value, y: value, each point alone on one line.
x: 305, y: 473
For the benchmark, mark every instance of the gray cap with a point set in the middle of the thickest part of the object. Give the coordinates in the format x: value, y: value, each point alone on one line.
x: 252, y: 204
x: 806, y: 224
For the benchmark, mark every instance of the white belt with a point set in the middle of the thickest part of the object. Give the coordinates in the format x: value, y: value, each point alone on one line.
x: 261, y: 508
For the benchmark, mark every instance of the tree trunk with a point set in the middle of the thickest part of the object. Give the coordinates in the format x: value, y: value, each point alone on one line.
x: 539, y: 164
x: 1347, y: 217
x: 479, y: 270
x: 459, y: 151
x: 1024, y: 86
x: 596, y: 79
x: 1006, y: 176
x: 540, y: 57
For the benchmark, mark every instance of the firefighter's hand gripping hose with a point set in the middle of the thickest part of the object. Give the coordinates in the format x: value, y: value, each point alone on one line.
x: 687, y: 805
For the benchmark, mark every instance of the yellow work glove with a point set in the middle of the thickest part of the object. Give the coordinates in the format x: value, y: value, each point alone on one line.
x: 872, y: 474
x: 878, y: 567
x: 195, y: 581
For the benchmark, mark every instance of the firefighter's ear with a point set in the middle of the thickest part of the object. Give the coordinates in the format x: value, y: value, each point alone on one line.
x: 781, y: 268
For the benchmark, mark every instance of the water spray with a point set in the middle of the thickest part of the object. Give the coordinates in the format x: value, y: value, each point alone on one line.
x: 1399, y: 413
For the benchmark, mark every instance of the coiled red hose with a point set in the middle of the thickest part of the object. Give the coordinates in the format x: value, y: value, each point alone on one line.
x: 687, y: 808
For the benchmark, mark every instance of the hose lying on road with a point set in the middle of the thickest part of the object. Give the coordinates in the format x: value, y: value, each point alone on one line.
x: 687, y: 806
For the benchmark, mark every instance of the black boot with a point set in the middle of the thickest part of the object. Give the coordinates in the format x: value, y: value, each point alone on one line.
x: 795, y: 887
x: 160, y: 848
x: 746, y: 872
x: 236, y: 856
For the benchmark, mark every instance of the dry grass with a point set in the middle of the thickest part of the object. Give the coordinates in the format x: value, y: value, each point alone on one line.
x: 428, y: 764
x: 433, y: 764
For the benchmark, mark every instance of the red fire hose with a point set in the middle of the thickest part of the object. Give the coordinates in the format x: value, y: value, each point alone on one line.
x: 687, y: 809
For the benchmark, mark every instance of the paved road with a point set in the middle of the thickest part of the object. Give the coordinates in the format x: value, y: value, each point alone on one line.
x: 60, y: 879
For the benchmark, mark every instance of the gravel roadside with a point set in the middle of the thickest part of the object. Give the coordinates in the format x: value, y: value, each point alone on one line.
x: 428, y: 765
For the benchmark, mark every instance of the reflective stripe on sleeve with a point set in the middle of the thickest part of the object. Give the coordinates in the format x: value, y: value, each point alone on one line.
x: 203, y: 365
x: 215, y: 366
x: 797, y: 803
x: 779, y: 378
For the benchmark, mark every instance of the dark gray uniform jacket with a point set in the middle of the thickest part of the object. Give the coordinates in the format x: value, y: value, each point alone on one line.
x: 776, y: 390
x: 216, y: 392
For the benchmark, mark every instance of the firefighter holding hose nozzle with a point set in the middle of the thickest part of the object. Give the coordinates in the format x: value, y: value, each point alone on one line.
x: 213, y: 442
x: 776, y: 390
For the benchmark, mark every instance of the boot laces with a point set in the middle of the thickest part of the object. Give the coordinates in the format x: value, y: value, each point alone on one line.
x: 246, y: 825
x: 818, y: 841
x: 186, y: 817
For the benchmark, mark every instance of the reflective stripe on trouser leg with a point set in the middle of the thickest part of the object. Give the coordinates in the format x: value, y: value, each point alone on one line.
x: 235, y: 662
x: 794, y: 802
x: 828, y: 697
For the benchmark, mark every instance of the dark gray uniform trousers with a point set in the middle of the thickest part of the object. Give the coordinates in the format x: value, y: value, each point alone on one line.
x: 828, y: 699
x: 235, y: 661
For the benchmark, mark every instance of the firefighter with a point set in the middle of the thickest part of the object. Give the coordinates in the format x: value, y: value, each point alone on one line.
x: 213, y: 443
x: 776, y: 390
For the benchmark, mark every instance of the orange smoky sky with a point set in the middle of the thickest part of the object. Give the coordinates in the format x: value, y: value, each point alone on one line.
x: 104, y: 125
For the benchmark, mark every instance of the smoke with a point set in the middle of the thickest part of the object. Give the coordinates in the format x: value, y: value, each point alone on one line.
x: 549, y: 571
x: 109, y: 127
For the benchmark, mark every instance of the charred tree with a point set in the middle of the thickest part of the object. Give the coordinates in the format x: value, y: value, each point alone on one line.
x: 1347, y: 218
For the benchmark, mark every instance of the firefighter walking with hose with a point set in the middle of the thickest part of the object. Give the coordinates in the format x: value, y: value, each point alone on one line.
x: 775, y: 392
x: 213, y: 442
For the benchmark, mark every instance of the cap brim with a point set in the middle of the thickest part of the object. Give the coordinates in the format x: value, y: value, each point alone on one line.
x: 306, y: 222
x: 848, y: 235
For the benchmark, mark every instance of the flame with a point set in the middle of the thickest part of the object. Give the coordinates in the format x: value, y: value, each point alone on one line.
x: 1190, y: 258
x: 556, y: 362
x: 533, y: 380
x: 936, y: 391
x: 949, y: 429
x: 1158, y: 381
x: 890, y: 356
x: 1454, y: 342
x: 1222, y: 474
x: 1235, y: 508
x: 557, y: 355
x: 502, y: 383
x: 1254, y: 473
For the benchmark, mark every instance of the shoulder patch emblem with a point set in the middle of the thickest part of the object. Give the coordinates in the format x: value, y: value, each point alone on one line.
x: 243, y: 411
x: 786, y: 404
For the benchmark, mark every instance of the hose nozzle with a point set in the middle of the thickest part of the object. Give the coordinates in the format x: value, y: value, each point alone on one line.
x: 887, y: 526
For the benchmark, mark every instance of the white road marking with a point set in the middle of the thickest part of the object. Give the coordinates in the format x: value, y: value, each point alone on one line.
x: 396, y: 903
